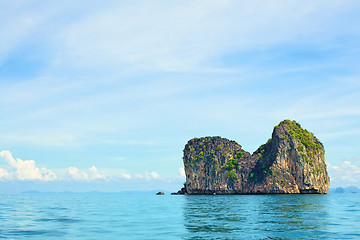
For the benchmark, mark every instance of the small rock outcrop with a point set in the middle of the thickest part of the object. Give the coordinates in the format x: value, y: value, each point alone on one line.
x: 292, y: 161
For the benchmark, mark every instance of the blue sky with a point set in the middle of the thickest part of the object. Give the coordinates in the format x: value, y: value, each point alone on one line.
x: 104, y: 96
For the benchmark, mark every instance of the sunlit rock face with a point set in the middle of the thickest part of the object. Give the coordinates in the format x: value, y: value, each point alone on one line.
x: 292, y: 161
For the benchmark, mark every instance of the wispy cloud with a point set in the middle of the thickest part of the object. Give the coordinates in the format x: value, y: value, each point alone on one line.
x: 178, y: 37
x: 125, y: 175
x: 41, y: 139
x: 345, y: 174
x: 16, y: 26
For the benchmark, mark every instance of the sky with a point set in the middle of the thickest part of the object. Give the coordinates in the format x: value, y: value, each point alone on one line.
x: 103, y: 96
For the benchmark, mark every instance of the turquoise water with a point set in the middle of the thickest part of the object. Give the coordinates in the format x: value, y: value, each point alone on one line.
x: 147, y: 216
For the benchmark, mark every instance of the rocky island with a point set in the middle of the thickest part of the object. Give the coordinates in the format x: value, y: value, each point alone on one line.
x: 292, y: 161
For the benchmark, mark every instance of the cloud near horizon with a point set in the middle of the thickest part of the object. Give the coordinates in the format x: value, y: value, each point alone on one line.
x: 91, y: 174
x: 344, y: 175
x: 147, y: 176
x: 24, y: 169
x: 181, y: 172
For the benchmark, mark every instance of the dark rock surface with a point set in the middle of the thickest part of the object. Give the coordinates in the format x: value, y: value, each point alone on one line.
x: 292, y: 161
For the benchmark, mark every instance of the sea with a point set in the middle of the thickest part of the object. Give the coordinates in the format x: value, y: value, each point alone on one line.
x: 139, y: 215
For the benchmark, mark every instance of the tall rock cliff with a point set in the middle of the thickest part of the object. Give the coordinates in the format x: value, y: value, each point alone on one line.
x: 292, y: 161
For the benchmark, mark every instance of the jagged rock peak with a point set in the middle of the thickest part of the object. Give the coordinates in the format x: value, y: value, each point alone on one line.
x: 292, y: 161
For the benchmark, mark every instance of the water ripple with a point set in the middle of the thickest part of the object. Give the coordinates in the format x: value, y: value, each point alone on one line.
x: 146, y: 216
x: 62, y: 220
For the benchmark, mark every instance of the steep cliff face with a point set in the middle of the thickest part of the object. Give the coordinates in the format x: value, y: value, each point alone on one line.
x: 292, y: 161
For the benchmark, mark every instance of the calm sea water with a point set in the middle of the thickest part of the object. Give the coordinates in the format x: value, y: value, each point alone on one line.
x: 146, y: 216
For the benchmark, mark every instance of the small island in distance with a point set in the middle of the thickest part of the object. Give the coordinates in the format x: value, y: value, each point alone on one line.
x: 291, y: 162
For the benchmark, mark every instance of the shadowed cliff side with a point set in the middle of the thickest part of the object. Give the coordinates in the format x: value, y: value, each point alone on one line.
x: 292, y: 161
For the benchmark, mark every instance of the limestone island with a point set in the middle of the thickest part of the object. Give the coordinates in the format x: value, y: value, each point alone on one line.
x: 292, y: 161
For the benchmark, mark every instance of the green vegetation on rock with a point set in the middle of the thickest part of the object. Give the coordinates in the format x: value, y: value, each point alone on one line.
x: 261, y: 150
x: 231, y: 164
x: 304, y: 136
x: 263, y: 165
x: 232, y: 175
x: 239, y: 155
x: 285, y: 137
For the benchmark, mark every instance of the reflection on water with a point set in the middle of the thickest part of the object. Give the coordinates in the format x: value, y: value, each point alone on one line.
x: 147, y: 216
x: 256, y: 217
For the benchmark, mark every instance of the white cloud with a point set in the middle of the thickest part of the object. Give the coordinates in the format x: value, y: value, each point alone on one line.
x: 94, y: 174
x: 91, y: 174
x: 48, y: 175
x: 344, y: 175
x: 139, y: 176
x: 181, y: 172
x: 26, y: 169
x: 125, y: 175
x: 4, y: 174
x: 148, y: 176
x: 76, y: 174
x: 154, y: 175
